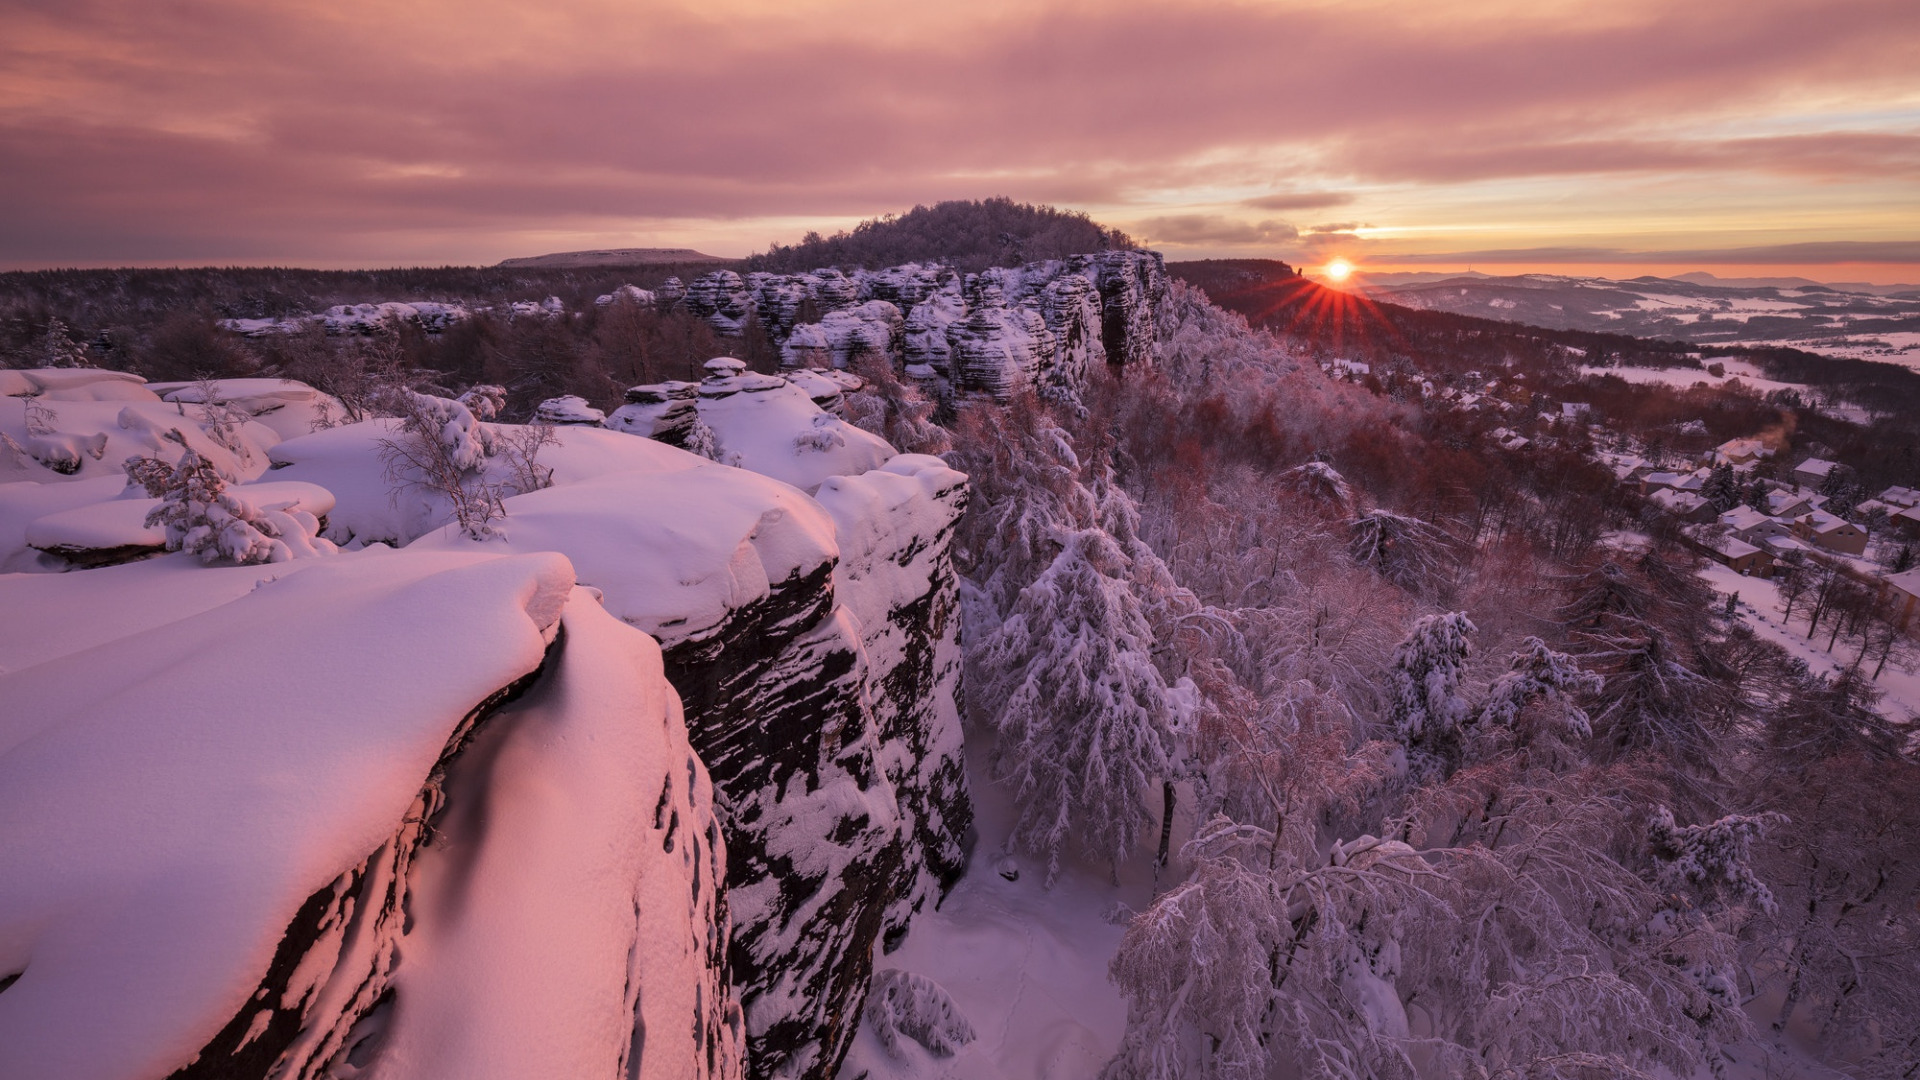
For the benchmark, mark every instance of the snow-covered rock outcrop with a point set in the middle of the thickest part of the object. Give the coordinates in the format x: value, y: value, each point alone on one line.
x: 813, y: 642
x: 363, y: 319
x: 227, y: 820
x: 804, y: 609
x: 1042, y: 325
x: 721, y: 298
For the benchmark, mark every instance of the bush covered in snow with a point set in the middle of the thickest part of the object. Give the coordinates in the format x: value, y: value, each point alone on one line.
x: 204, y: 517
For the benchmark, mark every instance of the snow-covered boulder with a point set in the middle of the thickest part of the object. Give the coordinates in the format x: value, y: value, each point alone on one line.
x: 827, y: 388
x: 100, y: 534
x: 74, y: 384
x: 569, y: 409
x: 83, y: 439
x: 773, y: 427
x: 216, y: 849
x: 288, y: 407
x: 632, y: 294
x: 662, y: 411
x: 24, y: 502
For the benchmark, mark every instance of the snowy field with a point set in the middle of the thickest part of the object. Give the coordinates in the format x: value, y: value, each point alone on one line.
x: 1747, y: 374
x: 1897, y: 348
x: 1760, y: 607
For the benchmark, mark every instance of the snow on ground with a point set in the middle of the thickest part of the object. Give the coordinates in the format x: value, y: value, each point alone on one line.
x: 346, y: 461
x: 1026, y: 965
x: 1748, y: 375
x: 100, y: 436
x: 771, y: 426
x: 290, y: 408
x: 1760, y: 608
x: 1899, y: 347
x: 674, y: 552
x: 156, y: 838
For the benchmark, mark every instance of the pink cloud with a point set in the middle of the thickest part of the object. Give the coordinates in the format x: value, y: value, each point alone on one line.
x: 226, y: 127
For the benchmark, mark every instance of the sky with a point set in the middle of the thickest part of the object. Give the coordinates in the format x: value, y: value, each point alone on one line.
x: 1741, y: 137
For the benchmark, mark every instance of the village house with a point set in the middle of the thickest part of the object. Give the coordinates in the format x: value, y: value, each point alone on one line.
x: 1812, y: 472
x: 1732, y: 552
x: 1683, y: 504
x: 1741, y: 451
x: 1831, y: 532
x: 1900, y: 496
x: 1753, y: 526
x: 1789, y: 504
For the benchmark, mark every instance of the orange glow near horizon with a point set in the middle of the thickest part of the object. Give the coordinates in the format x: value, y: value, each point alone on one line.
x: 1585, y: 136
x: 1339, y: 270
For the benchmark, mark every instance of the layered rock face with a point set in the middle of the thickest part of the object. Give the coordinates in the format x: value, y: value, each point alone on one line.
x: 826, y: 712
x: 821, y: 694
x: 1039, y: 326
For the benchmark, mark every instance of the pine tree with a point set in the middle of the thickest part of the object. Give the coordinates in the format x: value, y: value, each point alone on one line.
x: 1722, y: 489
x: 58, y: 350
x: 1425, y: 707
x: 1538, y: 674
x: 1084, y: 728
x: 1405, y: 550
x: 203, y: 517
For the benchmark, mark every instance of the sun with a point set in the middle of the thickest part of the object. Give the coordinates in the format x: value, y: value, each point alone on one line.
x: 1339, y: 270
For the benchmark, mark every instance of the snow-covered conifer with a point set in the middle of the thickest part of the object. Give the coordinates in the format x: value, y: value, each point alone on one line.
x: 903, y: 1005
x: 1722, y: 489
x: 203, y: 517
x: 57, y: 349
x: 1320, y: 482
x: 1711, y: 862
x: 1425, y: 704
x: 1084, y: 720
x: 1405, y: 550
x: 1538, y: 674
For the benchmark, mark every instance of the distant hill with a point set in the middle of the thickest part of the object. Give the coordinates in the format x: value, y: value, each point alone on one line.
x: 1832, y: 319
x: 970, y: 235
x: 610, y: 257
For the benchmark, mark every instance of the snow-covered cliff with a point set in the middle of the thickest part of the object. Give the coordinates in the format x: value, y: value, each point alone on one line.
x: 786, y: 621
